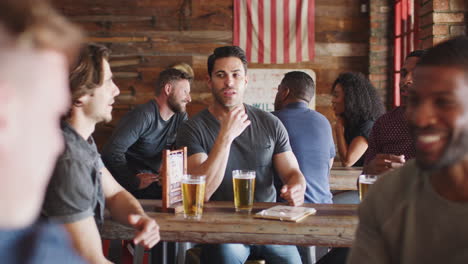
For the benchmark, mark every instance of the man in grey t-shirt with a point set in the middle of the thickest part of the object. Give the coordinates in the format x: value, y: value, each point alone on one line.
x: 133, y: 154
x: 230, y: 135
x: 81, y: 186
x: 418, y: 214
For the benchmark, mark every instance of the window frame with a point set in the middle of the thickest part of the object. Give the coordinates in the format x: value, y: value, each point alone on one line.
x: 406, y: 39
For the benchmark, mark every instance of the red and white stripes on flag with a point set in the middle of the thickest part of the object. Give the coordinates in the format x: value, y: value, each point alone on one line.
x: 275, y: 31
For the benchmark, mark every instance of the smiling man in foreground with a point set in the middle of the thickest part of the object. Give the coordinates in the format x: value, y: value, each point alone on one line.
x: 417, y: 214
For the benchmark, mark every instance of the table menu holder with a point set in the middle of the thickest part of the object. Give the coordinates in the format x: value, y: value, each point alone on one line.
x: 174, y: 167
x: 286, y: 213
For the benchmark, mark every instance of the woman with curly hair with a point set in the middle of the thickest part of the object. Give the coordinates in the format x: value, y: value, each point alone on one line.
x: 356, y: 105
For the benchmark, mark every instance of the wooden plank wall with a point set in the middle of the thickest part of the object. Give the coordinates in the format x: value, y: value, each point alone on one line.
x: 146, y: 36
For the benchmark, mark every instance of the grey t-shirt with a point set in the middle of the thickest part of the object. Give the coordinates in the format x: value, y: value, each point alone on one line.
x: 403, y: 220
x: 75, y: 190
x: 252, y: 150
x: 137, y: 143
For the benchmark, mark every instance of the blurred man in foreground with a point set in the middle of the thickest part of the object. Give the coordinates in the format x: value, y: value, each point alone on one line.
x: 36, y: 45
x: 417, y: 214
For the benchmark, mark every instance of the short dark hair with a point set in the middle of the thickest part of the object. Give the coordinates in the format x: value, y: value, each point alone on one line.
x: 416, y: 53
x: 224, y: 52
x: 169, y: 76
x: 88, y: 72
x: 450, y: 53
x: 300, y: 85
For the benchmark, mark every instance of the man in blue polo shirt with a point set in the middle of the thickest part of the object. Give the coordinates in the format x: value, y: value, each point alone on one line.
x: 309, y: 132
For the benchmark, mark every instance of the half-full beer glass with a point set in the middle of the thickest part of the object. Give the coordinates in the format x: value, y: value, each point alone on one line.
x: 243, y: 183
x: 365, y: 181
x: 193, y: 194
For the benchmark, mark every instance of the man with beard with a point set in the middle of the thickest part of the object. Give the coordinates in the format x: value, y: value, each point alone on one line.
x: 133, y: 154
x: 81, y: 187
x: 230, y: 135
x: 390, y: 142
x: 418, y: 213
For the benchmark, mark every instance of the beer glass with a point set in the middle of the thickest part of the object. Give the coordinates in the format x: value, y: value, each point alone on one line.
x: 193, y: 195
x: 243, y: 183
x: 365, y: 181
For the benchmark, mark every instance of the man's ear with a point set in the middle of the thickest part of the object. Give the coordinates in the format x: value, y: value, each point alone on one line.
x: 81, y: 101
x: 209, y: 81
x: 285, y: 93
x: 168, y: 89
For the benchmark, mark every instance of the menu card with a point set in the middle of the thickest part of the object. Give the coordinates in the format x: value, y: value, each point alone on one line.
x: 286, y: 213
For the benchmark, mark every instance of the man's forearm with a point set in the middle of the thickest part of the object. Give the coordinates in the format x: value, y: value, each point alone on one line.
x: 214, y: 166
x: 122, y: 205
x: 117, y: 164
x: 85, y: 238
x: 295, y: 177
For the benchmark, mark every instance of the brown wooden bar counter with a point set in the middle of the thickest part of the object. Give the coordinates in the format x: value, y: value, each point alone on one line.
x: 344, y: 179
x: 333, y: 225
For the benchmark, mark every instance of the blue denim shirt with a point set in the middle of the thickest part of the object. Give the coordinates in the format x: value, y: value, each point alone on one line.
x: 40, y: 243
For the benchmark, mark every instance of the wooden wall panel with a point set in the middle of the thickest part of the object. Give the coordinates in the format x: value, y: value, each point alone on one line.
x: 146, y: 36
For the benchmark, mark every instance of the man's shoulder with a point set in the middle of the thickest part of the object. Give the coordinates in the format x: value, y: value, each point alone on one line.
x: 202, y: 115
x: 304, y: 113
x: 394, y: 115
x: 75, y: 146
x: 146, y: 110
x: 181, y: 116
x: 261, y: 114
x: 199, y: 121
x: 76, y: 149
x: 315, y: 116
x: 151, y: 105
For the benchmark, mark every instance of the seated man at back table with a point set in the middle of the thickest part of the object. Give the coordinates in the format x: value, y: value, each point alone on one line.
x: 81, y: 186
x: 390, y: 142
x: 418, y: 213
x: 309, y: 132
x: 230, y: 135
x: 36, y: 45
x: 133, y: 154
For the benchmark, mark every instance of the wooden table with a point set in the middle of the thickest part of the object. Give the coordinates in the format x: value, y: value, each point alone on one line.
x: 333, y: 225
x: 344, y: 179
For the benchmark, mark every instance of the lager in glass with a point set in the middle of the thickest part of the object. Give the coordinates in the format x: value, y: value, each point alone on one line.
x: 243, y: 182
x: 365, y: 181
x: 193, y: 194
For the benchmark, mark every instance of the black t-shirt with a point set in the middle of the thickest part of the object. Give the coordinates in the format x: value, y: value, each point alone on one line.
x: 362, y: 130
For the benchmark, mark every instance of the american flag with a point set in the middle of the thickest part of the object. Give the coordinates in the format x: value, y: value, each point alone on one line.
x: 275, y: 31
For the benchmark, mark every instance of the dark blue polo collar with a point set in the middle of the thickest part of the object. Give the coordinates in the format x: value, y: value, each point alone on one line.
x: 297, y: 105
